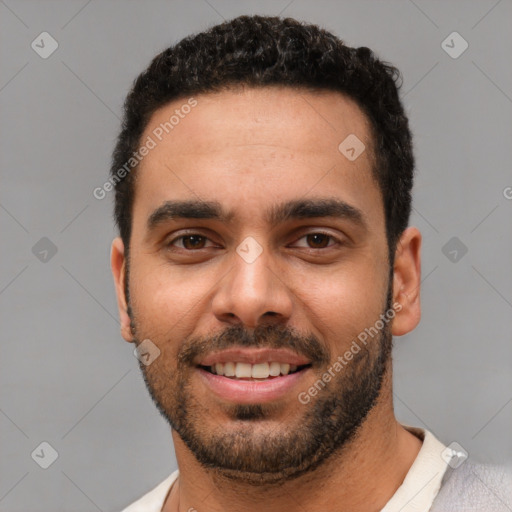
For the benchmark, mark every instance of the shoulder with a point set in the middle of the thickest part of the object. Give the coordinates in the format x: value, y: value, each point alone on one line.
x: 475, y: 486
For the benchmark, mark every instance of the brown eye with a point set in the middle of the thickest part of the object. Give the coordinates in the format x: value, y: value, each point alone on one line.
x: 189, y: 242
x: 318, y: 240
x: 193, y: 241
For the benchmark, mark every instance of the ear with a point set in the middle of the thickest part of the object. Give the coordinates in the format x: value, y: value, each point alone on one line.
x: 406, y: 282
x: 117, y: 263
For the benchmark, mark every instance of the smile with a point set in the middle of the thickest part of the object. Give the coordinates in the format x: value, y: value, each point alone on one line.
x: 259, y: 371
x: 251, y: 390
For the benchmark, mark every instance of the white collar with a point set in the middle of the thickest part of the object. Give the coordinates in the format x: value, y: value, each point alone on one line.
x: 423, y: 480
x: 415, y: 494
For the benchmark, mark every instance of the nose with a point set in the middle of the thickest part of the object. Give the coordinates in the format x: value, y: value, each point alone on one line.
x: 252, y: 293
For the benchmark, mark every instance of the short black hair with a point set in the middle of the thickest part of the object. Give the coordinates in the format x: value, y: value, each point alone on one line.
x: 259, y: 51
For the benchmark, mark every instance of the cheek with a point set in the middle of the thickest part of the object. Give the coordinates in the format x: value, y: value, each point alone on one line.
x: 165, y: 302
x: 341, y: 303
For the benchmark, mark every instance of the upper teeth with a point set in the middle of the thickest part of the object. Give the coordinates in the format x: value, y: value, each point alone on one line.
x: 255, y: 371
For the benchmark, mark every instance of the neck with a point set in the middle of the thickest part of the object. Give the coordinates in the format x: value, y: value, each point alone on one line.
x: 363, y: 476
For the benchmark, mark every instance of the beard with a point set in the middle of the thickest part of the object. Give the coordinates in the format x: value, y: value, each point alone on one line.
x: 256, y: 445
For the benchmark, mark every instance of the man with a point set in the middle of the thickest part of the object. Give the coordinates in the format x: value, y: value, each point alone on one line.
x: 263, y: 189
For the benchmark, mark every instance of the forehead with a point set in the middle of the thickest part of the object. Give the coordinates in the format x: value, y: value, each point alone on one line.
x: 266, y: 115
x: 251, y: 146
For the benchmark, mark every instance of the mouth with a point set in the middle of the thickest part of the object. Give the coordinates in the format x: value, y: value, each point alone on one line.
x: 259, y: 372
x: 250, y: 376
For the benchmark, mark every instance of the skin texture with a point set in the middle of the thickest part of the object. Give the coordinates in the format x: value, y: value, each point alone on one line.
x: 251, y: 149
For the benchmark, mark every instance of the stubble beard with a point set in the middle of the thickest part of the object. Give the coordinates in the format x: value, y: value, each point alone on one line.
x: 254, y: 448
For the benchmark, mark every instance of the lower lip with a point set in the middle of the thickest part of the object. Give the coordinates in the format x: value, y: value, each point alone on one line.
x: 251, y: 391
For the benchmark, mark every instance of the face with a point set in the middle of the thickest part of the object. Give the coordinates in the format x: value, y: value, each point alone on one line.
x: 258, y: 254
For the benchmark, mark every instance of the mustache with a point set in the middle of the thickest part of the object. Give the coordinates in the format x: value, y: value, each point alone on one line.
x: 263, y: 336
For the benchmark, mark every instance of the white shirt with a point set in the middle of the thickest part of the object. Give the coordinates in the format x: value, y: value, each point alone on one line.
x: 416, y: 494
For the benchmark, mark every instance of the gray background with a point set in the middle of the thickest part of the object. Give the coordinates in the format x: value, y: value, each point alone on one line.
x: 66, y: 375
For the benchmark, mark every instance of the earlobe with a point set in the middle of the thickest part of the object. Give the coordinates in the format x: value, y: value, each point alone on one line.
x: 406, y: 282
x: 118, y: 266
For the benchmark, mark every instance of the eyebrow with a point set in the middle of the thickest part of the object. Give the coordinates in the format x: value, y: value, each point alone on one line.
x: 290, y: 210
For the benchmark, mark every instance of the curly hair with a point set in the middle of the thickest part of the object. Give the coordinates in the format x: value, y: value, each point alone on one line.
x: 260, y: 51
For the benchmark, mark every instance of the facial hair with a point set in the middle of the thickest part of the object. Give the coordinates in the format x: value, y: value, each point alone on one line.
x: 253, y: 448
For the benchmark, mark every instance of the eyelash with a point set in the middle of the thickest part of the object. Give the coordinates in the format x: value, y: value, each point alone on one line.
x: 181, y: 237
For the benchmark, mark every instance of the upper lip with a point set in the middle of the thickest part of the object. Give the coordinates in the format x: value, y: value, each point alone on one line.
x: 254, y: 356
